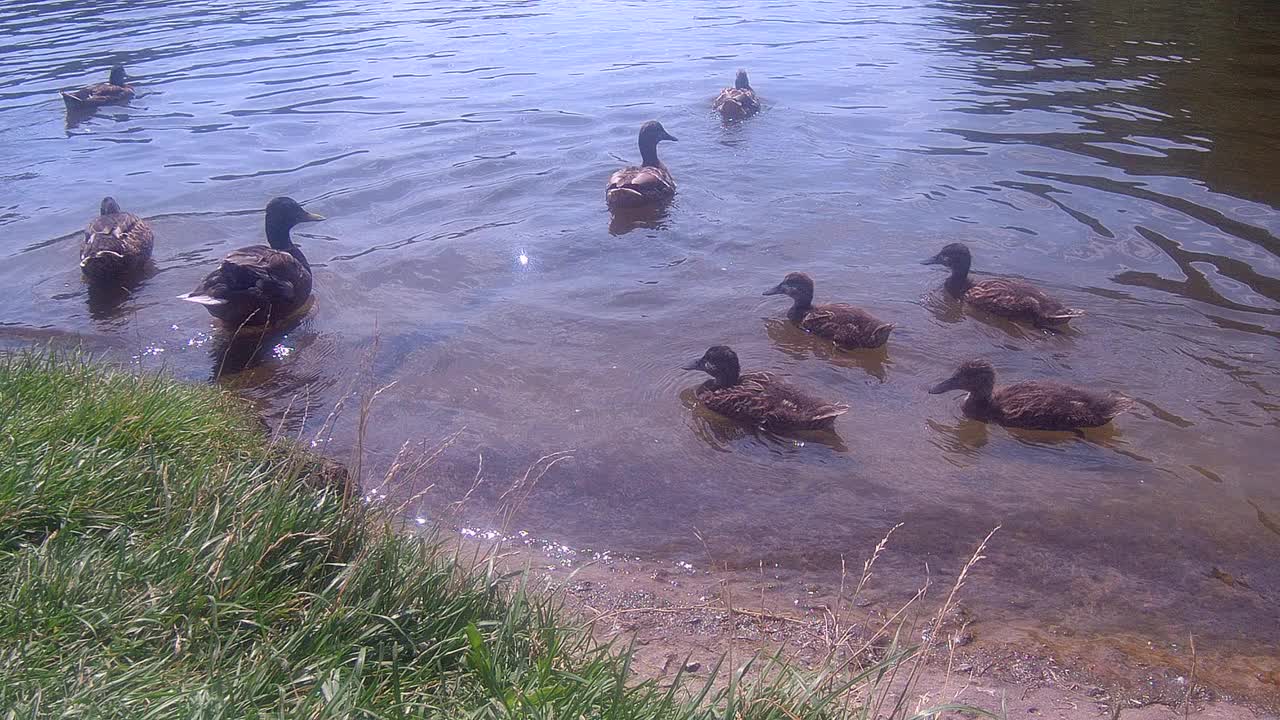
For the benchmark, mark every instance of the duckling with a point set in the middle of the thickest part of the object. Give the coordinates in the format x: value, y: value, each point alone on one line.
x: 115, y: 243
x: 259, y: 284
x: 114, y: 90
x: 1014, y: 299
x: 1035, y: 405
x: 738, y: 102
x: 648, y: 184
x: 847, y: 326
x: 759, y: 397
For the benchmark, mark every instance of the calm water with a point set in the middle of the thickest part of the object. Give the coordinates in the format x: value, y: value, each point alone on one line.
x: 1122, y: 154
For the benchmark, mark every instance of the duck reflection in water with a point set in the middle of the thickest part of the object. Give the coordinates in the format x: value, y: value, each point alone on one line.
x: 960, y: 442
x: 106, y: 299
x: 624, y: 220
x: 800, y: 345
x: 235, y: 351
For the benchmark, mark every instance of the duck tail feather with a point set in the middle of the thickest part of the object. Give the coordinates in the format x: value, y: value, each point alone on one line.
x: 200, y: 299
x: 830, y: 412
x: 1119, y: 404
x: 1064, y: 315
x: 881, y: 333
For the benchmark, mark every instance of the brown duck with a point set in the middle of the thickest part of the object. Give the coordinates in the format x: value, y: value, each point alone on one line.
x: 650, y: 182
x: 114, y: 90
x: 1035, y: 405
x: 258, y: 284
x: 845, y: 325
x: 738, y: 102
x: 1014, y: 299
x: 758, y: 397
x: 115, y: 243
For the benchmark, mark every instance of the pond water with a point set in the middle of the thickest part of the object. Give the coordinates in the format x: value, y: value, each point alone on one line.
x: 1121, y: 154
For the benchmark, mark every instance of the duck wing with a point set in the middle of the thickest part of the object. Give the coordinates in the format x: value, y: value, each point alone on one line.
x: 1047, y: 405
x: 762, y: 399
x: 256, y: 275
x: 640, y: 185
x: 1017, y: 298
x: 98, y: 94
x: 847, y: 325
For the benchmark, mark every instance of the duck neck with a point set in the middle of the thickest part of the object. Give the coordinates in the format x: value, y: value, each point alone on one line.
x: 278, y: 237
x: 649, y: 153
x: 725, y: 378
x: 802, y: 303
x: 978, y: 403
x: 958, y: 283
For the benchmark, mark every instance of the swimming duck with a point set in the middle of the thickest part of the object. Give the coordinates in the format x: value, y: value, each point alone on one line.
x: 648, y: 184
x: 1035, y: 405
x: 847, y: 326
x: 738, y: 102
x: 259, y: 284
x: 759, y: 397
x: 115, y: 243
x: 114, y: 90
x: 1014, y: 299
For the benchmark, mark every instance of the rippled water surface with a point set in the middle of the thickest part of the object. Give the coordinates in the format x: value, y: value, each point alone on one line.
x: 1122, y: 154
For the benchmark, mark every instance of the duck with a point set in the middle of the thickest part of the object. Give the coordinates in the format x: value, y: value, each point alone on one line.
x: 649, y: 183
x: 738, y: 102
x: 1013, y: 299
x: 114, y: 90
x: 1030, y: 404
x: 260, y: 284
x: 115, y: 243
x: 759, y: 398
x: 845, y: 325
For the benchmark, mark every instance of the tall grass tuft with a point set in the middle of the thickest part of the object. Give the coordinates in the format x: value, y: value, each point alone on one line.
x: 159, y: 559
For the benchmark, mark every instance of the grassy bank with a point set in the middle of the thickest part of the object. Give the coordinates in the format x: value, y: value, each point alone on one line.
x: 157, y: 559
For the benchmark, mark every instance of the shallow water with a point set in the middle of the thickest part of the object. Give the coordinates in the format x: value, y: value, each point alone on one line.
x: 1123, y: 155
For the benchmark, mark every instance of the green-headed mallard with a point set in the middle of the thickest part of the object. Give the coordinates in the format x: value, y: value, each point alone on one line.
x: 1014, y: 299
x: 1035, y: 405
x: 258, y: 284
x: 758, y: 397
x: 648, y: 184
x: 115, y: 243
x: 738, y: 102
x: 845, y: 325
x: 114, y: 90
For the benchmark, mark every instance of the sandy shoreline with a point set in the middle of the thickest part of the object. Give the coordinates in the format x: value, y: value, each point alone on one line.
x: 682, y: 620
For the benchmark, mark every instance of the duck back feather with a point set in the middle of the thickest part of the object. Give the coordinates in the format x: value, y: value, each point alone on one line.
x: 762, y: 399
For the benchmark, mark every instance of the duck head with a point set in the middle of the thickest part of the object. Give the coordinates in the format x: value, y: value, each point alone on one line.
x: 719, y: 362
x: 109, y: 206
x: 282, y: 214
x: 955, y: 257
x: 741, y: 82
x: 651, y: 133
x: 117, y: 75
x: 975, y: 376
x: 797, y: 286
